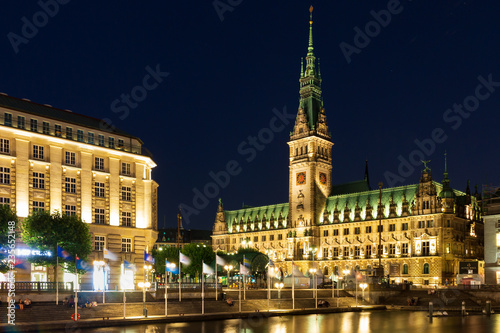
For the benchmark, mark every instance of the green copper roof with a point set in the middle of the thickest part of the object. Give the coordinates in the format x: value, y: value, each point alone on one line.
x: 260, y: 215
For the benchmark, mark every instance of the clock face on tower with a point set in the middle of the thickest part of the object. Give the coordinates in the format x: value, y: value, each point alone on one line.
x: 301, y: 178
x: 322, y: 178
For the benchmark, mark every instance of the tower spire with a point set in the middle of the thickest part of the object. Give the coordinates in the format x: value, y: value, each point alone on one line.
x: 310, y: 49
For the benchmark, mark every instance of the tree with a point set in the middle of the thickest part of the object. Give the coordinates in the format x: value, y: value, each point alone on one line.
x: 44, y: 231
x: 166, y: 253
x: 197, y: 253
x: 6, y: 216
x: 243, y: 250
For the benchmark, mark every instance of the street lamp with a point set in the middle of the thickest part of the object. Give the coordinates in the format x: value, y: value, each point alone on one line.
x: 228, y: 268
x: 144, y: 285
x: 279, y: 286
x: 363, y: 287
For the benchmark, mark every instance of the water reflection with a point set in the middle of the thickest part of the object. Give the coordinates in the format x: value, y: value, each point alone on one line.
x: 359, y: 322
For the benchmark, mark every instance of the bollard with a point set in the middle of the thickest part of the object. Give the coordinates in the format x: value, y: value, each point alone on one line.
x: 488, y: 308
x: 431, y: 309
x: 463, y: 308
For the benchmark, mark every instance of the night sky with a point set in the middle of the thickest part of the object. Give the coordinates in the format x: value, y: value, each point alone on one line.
x: 229, y: 69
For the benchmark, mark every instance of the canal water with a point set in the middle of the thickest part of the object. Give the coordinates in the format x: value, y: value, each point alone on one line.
x: 352, y: 322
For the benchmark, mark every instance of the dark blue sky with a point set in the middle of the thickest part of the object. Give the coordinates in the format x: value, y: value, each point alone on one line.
x: 226, y: 77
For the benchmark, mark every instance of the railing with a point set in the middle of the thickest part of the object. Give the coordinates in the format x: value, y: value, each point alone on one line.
x: 188, y: 285
x: 37, y: 286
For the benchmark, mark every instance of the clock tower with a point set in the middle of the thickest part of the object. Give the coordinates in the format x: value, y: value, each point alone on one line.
x: 310, y: 159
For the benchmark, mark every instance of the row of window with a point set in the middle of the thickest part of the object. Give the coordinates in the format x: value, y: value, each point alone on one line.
x: 100, y: 217
x: 100, y: 244
x: 405, y: 271
x: 356, y: 251
x: 380, y: 228
x: 69, y: 133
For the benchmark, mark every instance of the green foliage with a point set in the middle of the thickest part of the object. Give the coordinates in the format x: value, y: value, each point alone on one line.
x: 197, y: 253
x: 44, y: 231
x: 6, y: 216
x: 242, y: 250
x: 167, y: 253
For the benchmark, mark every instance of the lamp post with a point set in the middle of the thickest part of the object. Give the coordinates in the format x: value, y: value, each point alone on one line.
x: 279, y: 286
x: 144, y: 285
x: 313, y: 272
x: 228, y: 268
x: 363, y: 287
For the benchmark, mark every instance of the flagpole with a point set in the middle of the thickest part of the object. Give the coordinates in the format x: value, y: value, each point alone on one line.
x: 124, y: 297
x: 202, y: 290
x: 293, y: 286
x: 180, y: 264
x: 57, y: 275
x: 216, y: 277
x: 76, y: 290
x: 239, y: 291
x: 166, y: 297
x: 245, y: 281
x: 268, y: 286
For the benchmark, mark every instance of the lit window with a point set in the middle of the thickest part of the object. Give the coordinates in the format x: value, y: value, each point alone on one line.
x: 20, y: 122
x: 34, y: 125
x: 346, y: 251
x: 126, y: 193
x: 58, y: 131
x: 99, y: 163
x: 7, y: 120
x: 4, y: 146
x: 4, y: 201
x: 325, y: 252
x: 126, y: 219
x: 38, y: 180
x: 405, y: 268
x: 426, y: 268
x: 425, y: 248
x: 38, y: 152
x: 90, y: 138
x: 126, y: 169
x: 70, y: 185
x: 404, y: 248
x: 99, y: 243
x: 4, y: 176
x: 70, y: 210
x: 99, y: 190
x: 335, y: 251
x: 99, y: 216
x: 38, y: 206
x: 357, y: 251
x: 111, y: 142
x: 392, y: 249
x: 126, y: 245
x: 79, y: 135
x: 69, y: 133
x: 46, y: 128
x: 404, y: 226
x: 70, y: 158
x: 368, y: 250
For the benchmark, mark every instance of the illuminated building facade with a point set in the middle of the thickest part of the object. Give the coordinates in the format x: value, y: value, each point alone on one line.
x: 491, y: 216
x: 57, y: 160
x: 426, y: 228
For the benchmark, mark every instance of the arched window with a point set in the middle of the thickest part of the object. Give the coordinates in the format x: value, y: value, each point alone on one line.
x: 405, y: 269
x: 336, y: 270
x: 426, y: 268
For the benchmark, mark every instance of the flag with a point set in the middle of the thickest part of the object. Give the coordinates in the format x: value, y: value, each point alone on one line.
x: 244, y: 270
x: 219, y: 260
x: 207, y: 269
x: 110, y: 255
x: 21, y: 264
x: 271, y: 263
x: 246, y: 262
x: 172, y: 268
x: 149, y: 257
x: 129, y: 265
x: 63, y: 253
x: 81, y: 264
x: 184, y: 259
